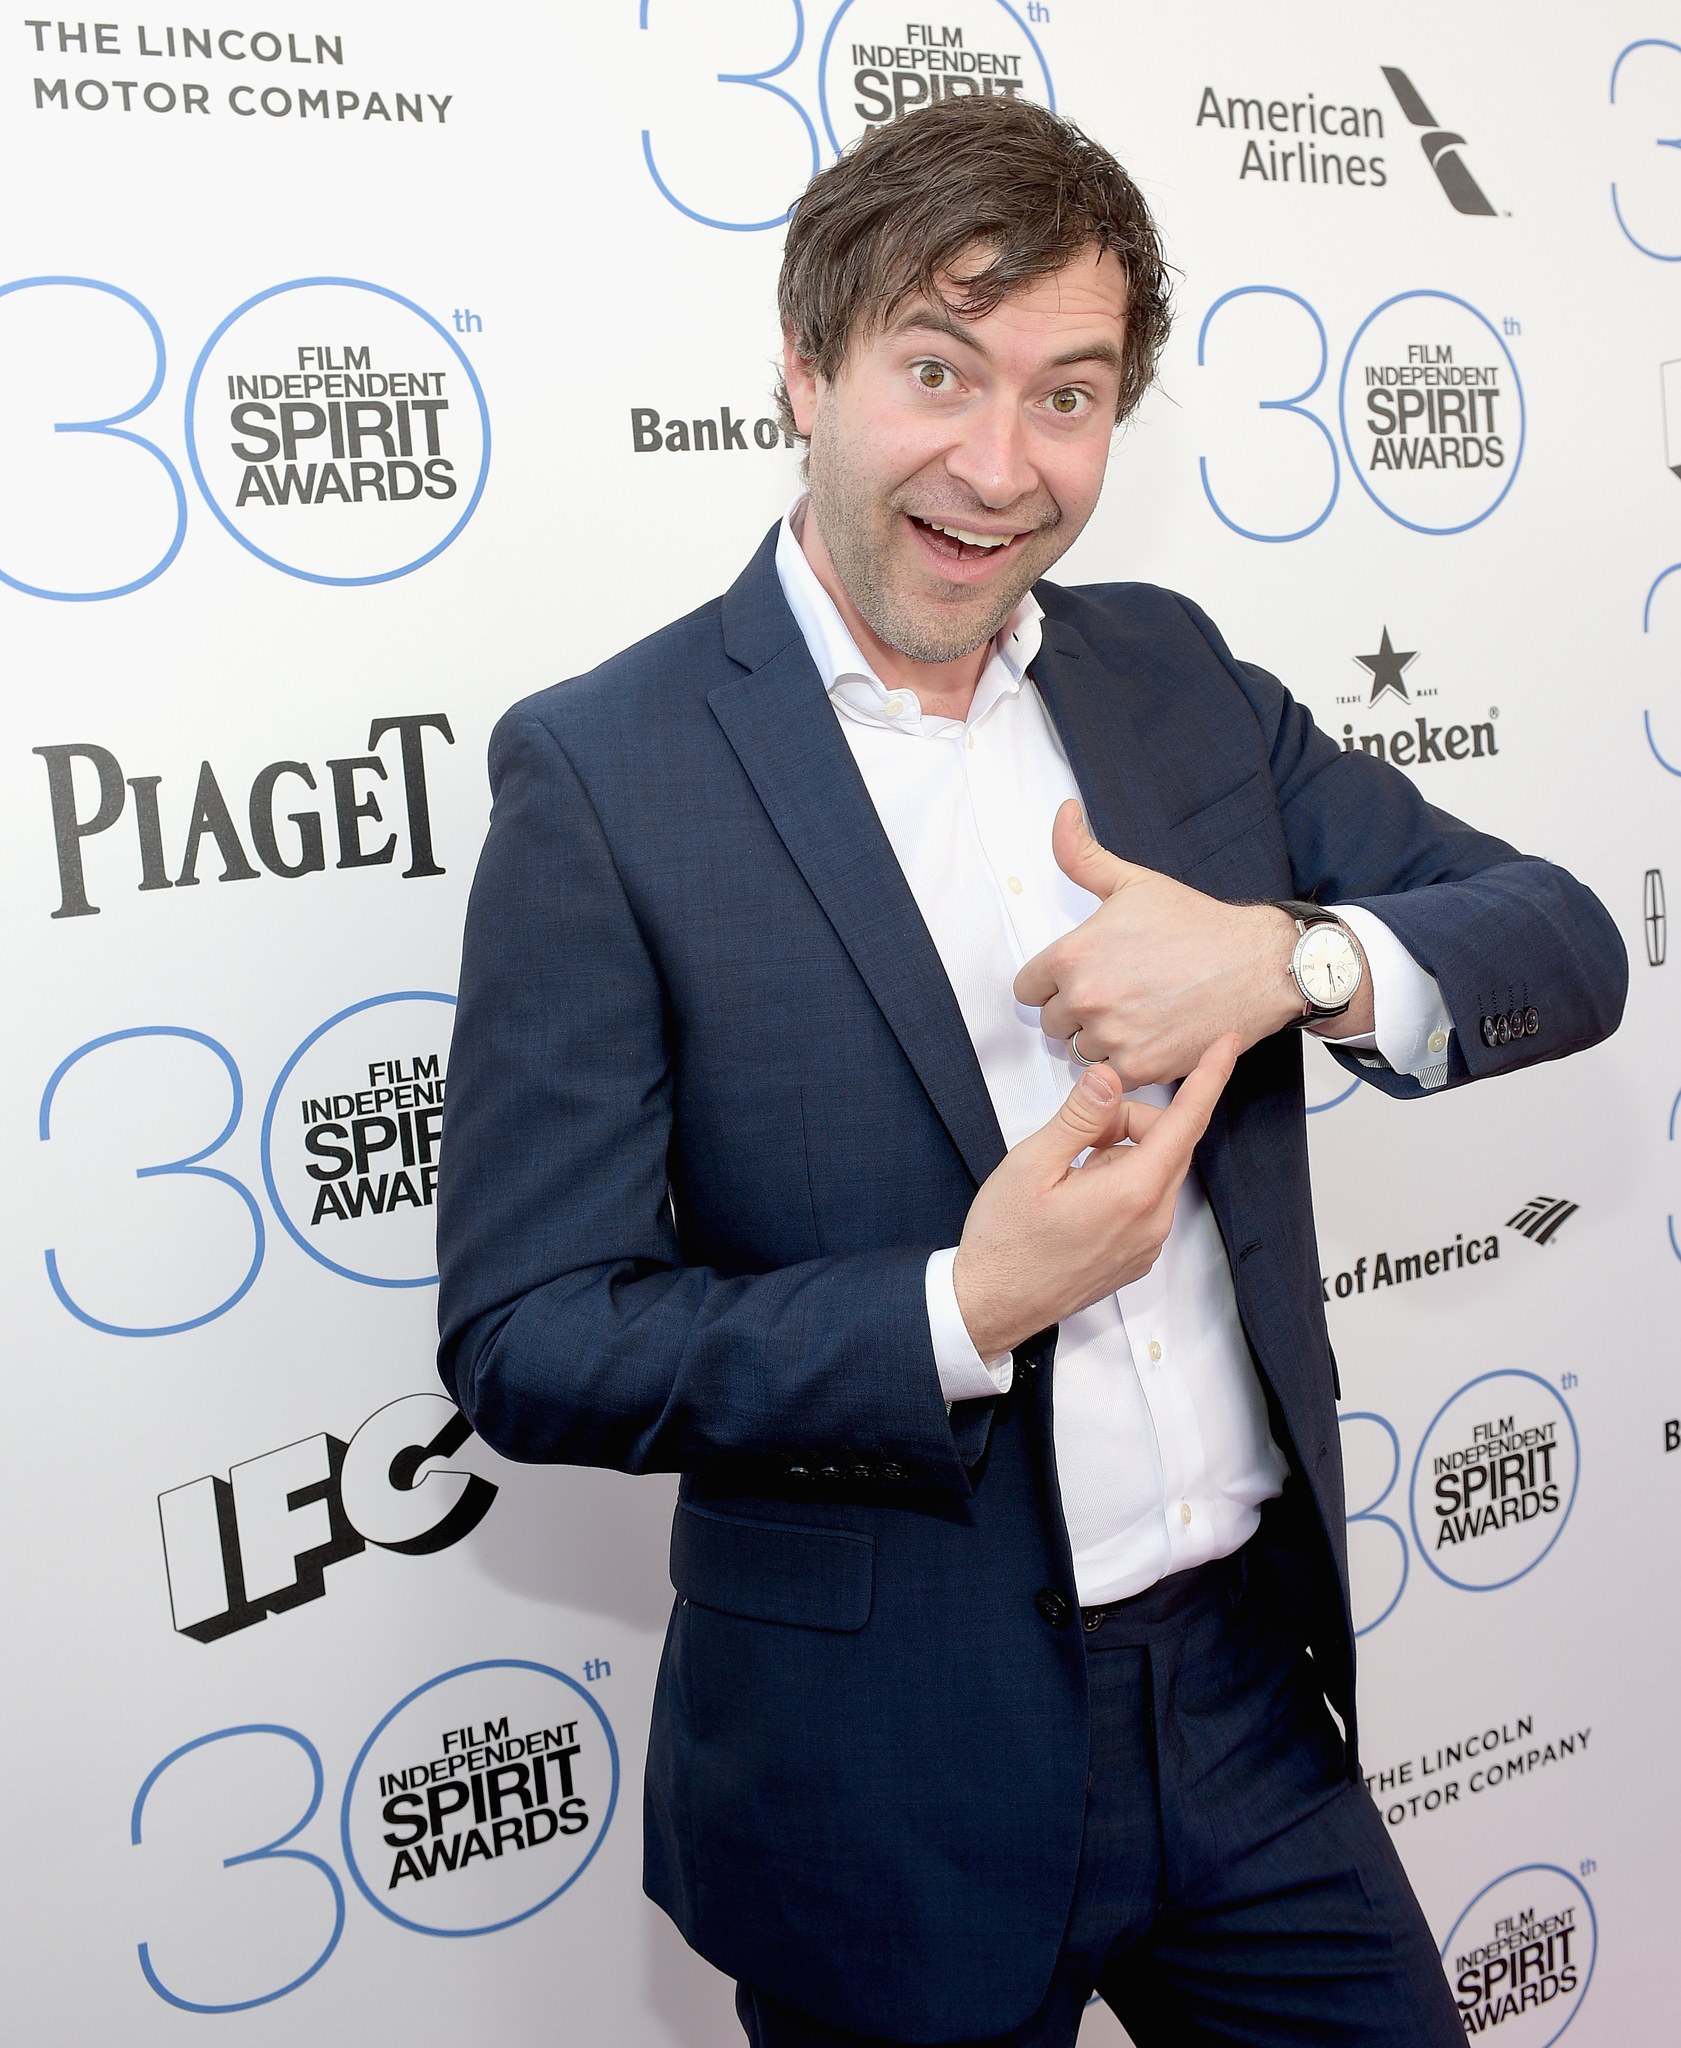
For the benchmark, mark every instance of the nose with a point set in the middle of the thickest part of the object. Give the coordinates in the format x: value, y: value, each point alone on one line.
x: 992, y: 456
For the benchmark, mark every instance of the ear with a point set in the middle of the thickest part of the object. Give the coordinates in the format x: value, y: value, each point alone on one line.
x: 800, y: 376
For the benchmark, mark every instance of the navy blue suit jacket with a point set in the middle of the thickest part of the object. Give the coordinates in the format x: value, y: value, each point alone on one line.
x: 712, y: 1104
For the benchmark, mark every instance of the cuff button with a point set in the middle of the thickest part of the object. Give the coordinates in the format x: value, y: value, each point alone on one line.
x: 1503, y: 1030
x: 1491, y: 1036
x: 1531, y: 1020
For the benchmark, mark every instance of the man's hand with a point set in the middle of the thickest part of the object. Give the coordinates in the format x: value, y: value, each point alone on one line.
x: 1045, y: 1238
x: 1159, y: 971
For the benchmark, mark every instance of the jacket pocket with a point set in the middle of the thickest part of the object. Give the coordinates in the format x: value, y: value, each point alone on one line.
x: 773, y: 1571
x: 1213, y: 834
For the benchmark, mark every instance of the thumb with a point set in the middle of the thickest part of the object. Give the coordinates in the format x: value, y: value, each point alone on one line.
x: 1081, y: 858
x: 1086, y: 1118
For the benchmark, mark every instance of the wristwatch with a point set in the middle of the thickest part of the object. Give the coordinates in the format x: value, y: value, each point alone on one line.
x: 1326, y: 963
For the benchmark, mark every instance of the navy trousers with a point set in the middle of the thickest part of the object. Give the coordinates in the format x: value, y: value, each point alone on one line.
x: 1234, y: 1886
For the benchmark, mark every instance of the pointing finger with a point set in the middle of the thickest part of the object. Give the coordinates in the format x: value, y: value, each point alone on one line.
x: 1173, y: 1136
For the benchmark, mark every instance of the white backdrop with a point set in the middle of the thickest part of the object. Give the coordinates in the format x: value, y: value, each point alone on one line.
x: 452, y: 279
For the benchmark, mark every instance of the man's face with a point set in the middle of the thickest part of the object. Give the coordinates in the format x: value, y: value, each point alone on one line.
x: 953, y: 461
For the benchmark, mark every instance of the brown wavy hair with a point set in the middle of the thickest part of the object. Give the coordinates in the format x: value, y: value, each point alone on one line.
x: 891, y: 219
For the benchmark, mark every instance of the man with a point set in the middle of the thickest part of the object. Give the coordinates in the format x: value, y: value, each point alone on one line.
x: 1010, y: 1550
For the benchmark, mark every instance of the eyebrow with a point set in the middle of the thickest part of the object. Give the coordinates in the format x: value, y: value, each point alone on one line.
x: 927, y: 320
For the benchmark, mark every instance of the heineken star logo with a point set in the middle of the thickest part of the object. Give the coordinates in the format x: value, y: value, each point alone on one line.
x: 1386, y: 668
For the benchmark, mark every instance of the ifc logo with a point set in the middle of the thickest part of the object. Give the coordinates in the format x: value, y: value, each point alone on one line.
x: 337, y: 431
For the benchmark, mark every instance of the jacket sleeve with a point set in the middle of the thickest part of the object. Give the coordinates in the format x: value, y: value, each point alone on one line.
x: 571, y: 1331
x: 1500, y: 931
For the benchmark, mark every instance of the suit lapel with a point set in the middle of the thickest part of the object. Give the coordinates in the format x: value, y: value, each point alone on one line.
x: 789, y: 742
x: 1088, y: 707
x: 1087, y: 703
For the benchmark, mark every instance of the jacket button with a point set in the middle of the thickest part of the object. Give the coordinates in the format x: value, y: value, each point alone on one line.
x: 1053, y: 1607
x: 863, y: 1473
x: 892, y: 1471
x: 830, y: 1472
x: 1531, y: 1020
x: 1491, y: 1036
x: 1503, y: 1030
x: 799, y: 1471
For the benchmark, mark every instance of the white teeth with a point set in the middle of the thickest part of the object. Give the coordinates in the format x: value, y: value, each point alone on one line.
x: 974, y: 540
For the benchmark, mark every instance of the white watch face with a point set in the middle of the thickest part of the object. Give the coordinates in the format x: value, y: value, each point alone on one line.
x: 1327, y: 966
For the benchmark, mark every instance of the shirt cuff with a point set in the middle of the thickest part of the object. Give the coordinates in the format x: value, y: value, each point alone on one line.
x: 964, y: 1374
x: 1411, y: 1022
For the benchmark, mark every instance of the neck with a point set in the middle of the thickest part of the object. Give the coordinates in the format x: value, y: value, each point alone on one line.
x: 944, y: 689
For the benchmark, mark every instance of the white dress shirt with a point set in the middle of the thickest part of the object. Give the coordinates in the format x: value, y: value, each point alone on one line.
x: 1162, y: 1444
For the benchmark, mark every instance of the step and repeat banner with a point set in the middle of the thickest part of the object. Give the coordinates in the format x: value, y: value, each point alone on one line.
x: 366, y: 370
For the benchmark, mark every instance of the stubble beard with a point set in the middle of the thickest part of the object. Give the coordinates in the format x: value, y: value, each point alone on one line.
x: 856, y: 525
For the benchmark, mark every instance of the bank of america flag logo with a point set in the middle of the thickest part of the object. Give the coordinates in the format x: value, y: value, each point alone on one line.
x: 1541, y: 1218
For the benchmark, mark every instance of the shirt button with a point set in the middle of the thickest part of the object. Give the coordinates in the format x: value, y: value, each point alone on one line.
x: 1185, y: 1512
x: 1015, y: 885
x: 1438, y: 1041
x: 1155, y: 1352
x: 895, y: 705
x: 971, y: 743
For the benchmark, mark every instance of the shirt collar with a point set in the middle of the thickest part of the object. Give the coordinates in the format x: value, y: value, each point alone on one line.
x: 852, y: 684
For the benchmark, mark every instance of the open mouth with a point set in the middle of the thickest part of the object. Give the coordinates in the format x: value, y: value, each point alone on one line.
x: 952, y: 543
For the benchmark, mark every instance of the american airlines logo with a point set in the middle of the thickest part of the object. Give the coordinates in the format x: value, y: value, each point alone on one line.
x: 1441, y: 147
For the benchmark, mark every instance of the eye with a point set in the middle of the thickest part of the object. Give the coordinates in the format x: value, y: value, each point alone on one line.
x: 934, y: 376
x: 1068, y: 401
